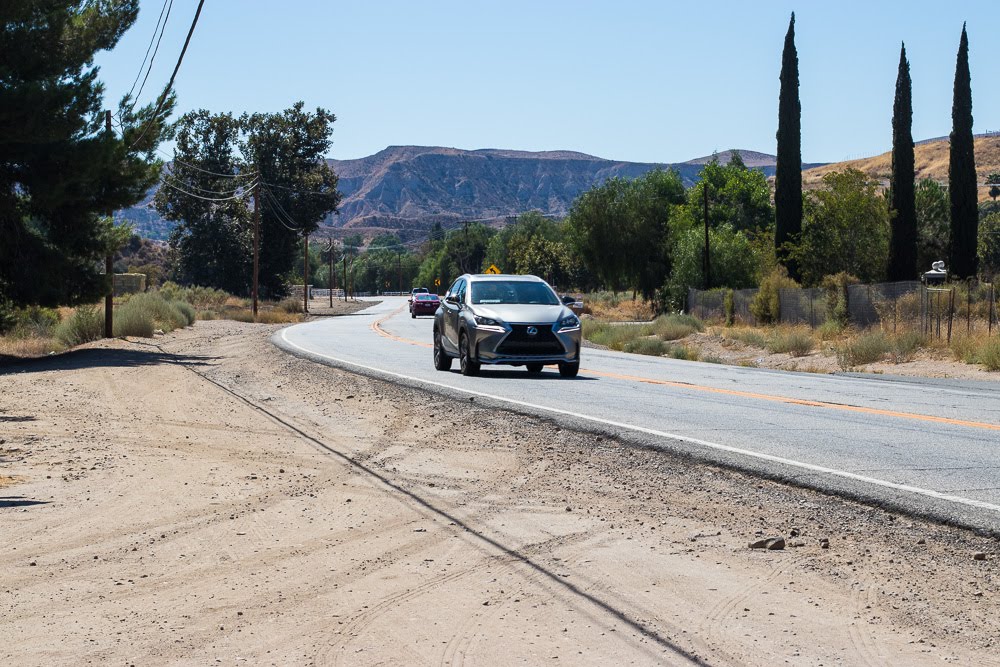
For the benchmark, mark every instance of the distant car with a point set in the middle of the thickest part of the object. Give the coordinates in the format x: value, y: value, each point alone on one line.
x: 417, y: 290
x: 503, y: 319
x: 424, y: 304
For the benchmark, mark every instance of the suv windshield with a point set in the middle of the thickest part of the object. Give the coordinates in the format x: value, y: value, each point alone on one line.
x: 512, y: 291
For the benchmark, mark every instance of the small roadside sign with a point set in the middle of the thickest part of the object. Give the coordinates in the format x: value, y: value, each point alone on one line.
x: 493, y: 269
x: 437, y: 282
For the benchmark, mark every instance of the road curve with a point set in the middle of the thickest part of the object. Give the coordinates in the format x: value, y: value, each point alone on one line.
x: 923, y: 446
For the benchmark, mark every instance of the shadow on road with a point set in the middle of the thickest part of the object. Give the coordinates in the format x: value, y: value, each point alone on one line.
x: 100, y: 358
x: 19, y: 501
x: 521, y: 374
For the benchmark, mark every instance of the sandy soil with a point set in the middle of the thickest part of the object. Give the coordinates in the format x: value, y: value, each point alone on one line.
x: 208, y: 499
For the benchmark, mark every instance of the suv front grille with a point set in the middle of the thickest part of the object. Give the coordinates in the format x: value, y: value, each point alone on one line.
x: 519, y: 343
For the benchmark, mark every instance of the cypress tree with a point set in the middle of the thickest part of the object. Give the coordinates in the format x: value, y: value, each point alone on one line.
x: 902, y: 203
x: 962, y: 171
x: 788, y: 171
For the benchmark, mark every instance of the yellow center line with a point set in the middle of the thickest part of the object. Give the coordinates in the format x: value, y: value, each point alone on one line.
x: 377, y: 328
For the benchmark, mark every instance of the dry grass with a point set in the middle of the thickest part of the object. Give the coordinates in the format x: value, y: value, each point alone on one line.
x: 269, y: 316
x: 29, y: 347
x: 931, y: 162
x: 609, y: 307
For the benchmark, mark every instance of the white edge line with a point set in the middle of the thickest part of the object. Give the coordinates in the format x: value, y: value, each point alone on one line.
x: 663, y: 434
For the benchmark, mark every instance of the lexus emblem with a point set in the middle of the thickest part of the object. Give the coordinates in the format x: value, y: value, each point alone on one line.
x: 532, y: 331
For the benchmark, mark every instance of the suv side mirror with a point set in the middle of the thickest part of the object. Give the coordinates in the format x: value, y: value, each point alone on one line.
x: 568, y: 300
x: 452, y: 298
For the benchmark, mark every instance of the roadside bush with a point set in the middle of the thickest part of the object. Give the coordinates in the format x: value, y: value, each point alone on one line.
x: 835, y: 286
x: 132, y: 321
x: 965, y: 349
x: 612, y: 336
x: 84, y: 325
x: 206, y: 298
x: 187, y: 310
x: 796, y: 342
x: 675, y: 326
x: 290, y: 305
x: 829, y: 330
x: 683, y: 352
x: 867, y: 348
x: 651, y: 346
x: 160, y: 313
x: 34, y: 321
x: 989, y: 354
x: 766, y: 305
x: 905, y: 346
x: 748, y: 336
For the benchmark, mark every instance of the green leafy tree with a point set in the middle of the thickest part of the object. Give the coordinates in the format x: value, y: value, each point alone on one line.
x: 462, y: 250
x: 200, y: 191
x: 846, y: 228
x: 989, y: 245
x: 61, y: 171
x: 902, y: 202
x: 287, y: 152
x: 737, y: 196
x: 962, y: 185
x: 994, y: 181
x: 620, y: 230
x: 788, y: 171
x: 732, y: 257
x: 933, y: 215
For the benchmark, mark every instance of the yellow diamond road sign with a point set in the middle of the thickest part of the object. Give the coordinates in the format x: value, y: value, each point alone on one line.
x: 493, y: 269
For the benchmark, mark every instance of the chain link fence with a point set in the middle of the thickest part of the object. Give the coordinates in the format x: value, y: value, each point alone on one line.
x: 969, y: 307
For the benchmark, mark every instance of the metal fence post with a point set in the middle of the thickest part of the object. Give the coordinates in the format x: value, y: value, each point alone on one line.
x: 951, y: 312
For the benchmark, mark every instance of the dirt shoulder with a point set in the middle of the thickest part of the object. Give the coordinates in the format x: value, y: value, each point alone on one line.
x: 209, y: 498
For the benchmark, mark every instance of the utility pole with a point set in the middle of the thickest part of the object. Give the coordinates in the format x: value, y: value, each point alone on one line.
x: 708, y: 275
x: 399, y: 268
x: 305, y: 271
x: 109, y: 269
x: 333, y: 276
x: 345, y: 273
x: 256, y: 243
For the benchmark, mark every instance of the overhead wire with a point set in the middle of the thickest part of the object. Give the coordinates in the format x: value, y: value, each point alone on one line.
x: 213, y: 199
x: 170, y: 84
x: 186, y: 184
x: 279, y: 211
x: 149, y: 48
x: 156, y: 50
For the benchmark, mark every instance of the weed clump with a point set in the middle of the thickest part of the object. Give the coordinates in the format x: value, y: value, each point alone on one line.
x: 867, y: 348
x: 84, y: 325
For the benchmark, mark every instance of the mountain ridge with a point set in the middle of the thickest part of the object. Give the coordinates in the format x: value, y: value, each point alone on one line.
x: 406, y: 189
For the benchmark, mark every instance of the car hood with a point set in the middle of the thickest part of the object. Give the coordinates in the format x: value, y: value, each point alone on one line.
x: 523, y: 313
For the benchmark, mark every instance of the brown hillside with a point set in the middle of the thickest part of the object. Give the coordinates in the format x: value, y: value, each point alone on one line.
x: 931, y: 161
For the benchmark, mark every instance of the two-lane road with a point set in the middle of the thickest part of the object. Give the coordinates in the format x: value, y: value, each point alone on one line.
x: 929, y: 446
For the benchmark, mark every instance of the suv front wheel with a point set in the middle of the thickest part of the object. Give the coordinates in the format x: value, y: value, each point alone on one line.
x: 570, y: 369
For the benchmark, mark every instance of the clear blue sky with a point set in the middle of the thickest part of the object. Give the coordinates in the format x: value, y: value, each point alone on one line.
x: 651, y: 81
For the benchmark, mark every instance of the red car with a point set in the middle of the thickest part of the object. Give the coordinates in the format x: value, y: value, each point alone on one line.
x: 424, y: 304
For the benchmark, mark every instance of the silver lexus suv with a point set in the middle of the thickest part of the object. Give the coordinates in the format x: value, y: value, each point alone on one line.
x: 501, y: 319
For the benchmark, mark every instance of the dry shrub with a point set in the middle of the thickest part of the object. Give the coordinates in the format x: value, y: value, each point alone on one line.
x: 84, y: 325
x: 652, y: 346
x: 797, y: 342
x: 11, y: 346
x: 905, y: 346
x: 291, y: 305
x: 675, y: 326
x: 747, y: 335
x: 989, y: 354
x: 766, y: 304
x: 610, y: 307
x: 866, y: 348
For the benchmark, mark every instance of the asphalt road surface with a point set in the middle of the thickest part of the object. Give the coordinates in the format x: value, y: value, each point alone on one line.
x: 926, y: 446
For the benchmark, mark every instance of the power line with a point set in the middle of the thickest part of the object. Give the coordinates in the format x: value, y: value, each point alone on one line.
x: 201, y: 189
x: 205, y: 171
x: 170, y: 84
x: 298, y: 191
x: 149, y: 69
x: 148, y: 48
x: 279, y: 210
x: 214, y: 199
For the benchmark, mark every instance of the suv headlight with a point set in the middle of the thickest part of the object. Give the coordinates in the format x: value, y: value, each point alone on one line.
x: 488, y: 322
x: 569, y: 322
